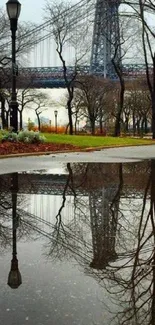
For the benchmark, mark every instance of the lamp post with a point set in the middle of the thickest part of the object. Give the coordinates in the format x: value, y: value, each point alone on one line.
x: 13, y: 10
x: 14, y: 277
x: 56, y: 120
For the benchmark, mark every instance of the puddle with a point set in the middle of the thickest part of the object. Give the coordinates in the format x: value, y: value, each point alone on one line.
x: 77, y: 245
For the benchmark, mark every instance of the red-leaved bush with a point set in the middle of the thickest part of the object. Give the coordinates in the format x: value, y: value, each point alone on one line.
x: 45, y: 128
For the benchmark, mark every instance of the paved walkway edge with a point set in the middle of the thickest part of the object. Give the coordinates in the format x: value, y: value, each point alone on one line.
x: 46, y: 153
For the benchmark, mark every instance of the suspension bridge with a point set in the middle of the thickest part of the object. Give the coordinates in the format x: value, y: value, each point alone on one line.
x: 101, y: 35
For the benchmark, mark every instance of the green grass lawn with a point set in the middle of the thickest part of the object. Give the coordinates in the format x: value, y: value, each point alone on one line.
x: 86, y: 141
x: 93, y: 141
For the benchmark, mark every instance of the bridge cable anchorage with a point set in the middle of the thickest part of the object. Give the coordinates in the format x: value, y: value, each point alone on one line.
x: 72, y: 8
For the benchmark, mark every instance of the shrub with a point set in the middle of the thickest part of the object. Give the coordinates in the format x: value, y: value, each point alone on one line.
x: 23, y: 136
x: 30, y: 137
x: 30, y: 125
x: 103, y: 133
x: 46, y: 128
x: 10, y: 136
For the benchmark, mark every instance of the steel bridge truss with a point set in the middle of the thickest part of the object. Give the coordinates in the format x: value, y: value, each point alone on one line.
x: 47, y: 72
x: 106, y: 38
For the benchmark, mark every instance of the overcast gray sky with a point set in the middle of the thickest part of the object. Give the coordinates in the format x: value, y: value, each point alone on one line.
x: 32, y: 10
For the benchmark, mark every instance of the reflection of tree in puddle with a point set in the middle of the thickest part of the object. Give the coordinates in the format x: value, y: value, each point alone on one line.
x: 133, y: 278
x: 123, y: 233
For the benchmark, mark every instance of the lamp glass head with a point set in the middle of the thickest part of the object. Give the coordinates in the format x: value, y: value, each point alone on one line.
x: 13, y: 9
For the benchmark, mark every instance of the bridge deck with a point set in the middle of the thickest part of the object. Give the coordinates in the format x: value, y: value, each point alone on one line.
x: 52, y: 77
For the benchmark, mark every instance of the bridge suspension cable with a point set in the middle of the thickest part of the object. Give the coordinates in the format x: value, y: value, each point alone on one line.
x: 70, y: 24
x: 70, y: 10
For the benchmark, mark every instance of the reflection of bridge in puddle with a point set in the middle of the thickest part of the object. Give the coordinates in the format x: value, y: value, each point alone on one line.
x: 88, y: 227
x: 45, y: 184
x: 86, y: 223
x: 54, y: 184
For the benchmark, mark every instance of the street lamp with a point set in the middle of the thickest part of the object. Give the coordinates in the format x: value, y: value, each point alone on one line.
x: 56, y: 124
x: 13, y: 10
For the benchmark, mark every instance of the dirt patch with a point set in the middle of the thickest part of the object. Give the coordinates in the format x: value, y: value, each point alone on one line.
x: 7, y: 148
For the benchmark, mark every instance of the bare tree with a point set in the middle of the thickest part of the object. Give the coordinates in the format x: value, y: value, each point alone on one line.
x: 141, y: 12
x: 137, y: 107
x: 91, y: 99
x: 66, y: 32
x: 121, y: 50
x: 26, y: 96
x: 37, y: 101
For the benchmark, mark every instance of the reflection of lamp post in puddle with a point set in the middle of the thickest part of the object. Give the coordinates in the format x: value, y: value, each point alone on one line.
x: 14, y: 278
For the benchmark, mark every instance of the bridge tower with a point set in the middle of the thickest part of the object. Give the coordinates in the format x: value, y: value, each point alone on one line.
x: 106, y: 38
x: 103, y: 227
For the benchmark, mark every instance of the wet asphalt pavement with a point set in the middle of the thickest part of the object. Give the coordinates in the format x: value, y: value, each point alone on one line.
x: 113, y: 155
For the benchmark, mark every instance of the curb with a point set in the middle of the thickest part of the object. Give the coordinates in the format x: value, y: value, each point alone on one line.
x: 90, y: 149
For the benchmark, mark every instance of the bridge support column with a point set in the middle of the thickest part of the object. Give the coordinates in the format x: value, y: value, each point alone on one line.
x: 106, y: 38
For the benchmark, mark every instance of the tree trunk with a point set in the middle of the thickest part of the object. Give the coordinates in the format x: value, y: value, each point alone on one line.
x: 39, y: 124
x: 117, y: 129
x: 92, y: 122
x: 153, y: 115
x: 134, y: 124
x: 100, y: 121
x: 145, y: 125
x: 70, y: 120
x: 21, y: 119
x: 75, y: 128
x: 70, y: 89
x: 153, y: 100
x: 118, y: 70
x: 69, y: 107
x: 127, y: 125
x: 66, y: 130
x: 142, y: 127
x: 7, y: 119
x: 101, y: 126
x: 138, y: 127
x: 4, y: 125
